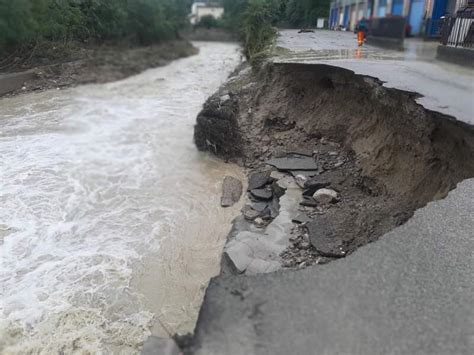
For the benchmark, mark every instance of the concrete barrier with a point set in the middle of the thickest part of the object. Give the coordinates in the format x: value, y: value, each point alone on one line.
x: 456, y: 55
x: 12, y: 82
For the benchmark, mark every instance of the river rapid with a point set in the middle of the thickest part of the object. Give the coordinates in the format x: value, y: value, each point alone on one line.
x: 110, y: 224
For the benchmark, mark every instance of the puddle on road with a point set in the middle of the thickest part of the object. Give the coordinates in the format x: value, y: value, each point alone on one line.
x: 100, y: 185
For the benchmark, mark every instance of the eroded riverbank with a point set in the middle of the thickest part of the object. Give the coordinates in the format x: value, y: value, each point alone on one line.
x: 380, y: 154
x: 98, y: 182
x: 79, y: 64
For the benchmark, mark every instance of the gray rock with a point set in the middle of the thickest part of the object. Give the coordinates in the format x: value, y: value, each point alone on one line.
x: 314, y: 184
x: 259, y: 222
x: 325, y: 196
x: 323, y: 237
x: 301, y: 180
x: 260, y: 206
x: 231, y: 191
x: 239, y: 254
x: 277, y: 175
x: 262, y: 194
x: 224, y: 98
x: 247, y: 247
x: 308, y: 202
x: 301, y: 218
x: 317, y: 182
x: 279, y: 188
x: 249, y: 213
x: 160, y: 346
x: 293, y: 162
x: 258, y: 180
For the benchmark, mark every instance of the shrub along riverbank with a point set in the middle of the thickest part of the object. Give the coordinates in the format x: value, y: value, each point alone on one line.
x: 24, y: 23
x: 71, y: 42
x: 256, y: 20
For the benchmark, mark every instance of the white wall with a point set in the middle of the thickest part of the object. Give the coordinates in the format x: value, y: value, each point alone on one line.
x: 216, y: 12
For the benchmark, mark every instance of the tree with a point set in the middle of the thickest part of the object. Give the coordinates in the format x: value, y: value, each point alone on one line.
x: 304, y: 13
x: 208, y: 21
x: 26, y: 21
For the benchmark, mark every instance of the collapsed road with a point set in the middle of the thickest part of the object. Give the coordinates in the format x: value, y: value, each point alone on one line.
x: 381, y: 167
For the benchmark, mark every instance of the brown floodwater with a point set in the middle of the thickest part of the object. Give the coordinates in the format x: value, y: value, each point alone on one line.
x: 110, y: 224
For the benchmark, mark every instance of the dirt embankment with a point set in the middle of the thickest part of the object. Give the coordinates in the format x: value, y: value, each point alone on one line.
x: 60, y: 67
x: 382, y: 153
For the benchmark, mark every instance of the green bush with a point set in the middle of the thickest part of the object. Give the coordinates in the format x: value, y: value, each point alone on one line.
x: 304, y: 13
x: 26, y: 21
x: 16, y: 23
x: 257, y: 28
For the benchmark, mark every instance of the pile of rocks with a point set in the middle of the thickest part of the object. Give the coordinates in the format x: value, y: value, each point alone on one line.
x: 264, y: 194
x: 314, y: 240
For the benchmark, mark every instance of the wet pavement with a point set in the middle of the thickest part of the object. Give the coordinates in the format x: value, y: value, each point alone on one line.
x: 408, y: 293
x: 443, y: 87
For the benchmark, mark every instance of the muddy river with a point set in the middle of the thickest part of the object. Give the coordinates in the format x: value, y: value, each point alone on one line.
x: 110, y: 225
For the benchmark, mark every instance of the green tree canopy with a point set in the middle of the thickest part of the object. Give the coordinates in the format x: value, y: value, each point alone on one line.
x: 26, y: 21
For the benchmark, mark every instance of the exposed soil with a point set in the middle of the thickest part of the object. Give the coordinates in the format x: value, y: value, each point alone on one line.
x: 57, y: 66
x: 384, y: 154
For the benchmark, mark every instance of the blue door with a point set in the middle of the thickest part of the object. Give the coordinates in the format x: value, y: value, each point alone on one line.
x: 345, y: 21
x: 439, y: 9
x: 397, y: 7
x: 415, y: 19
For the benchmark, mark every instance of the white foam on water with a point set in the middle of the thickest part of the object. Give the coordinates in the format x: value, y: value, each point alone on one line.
x: 83, y: 186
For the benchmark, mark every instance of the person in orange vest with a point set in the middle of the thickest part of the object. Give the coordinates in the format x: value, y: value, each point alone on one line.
x: 361, y: 31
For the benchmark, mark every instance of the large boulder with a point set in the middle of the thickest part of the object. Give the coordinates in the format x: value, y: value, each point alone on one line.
x: 216, y: 127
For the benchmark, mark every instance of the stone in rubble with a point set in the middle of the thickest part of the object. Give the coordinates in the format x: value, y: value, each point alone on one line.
x: 301, y: 180
x: 260, y: 206
x: 323, y: 237
x: 262, y: 194
x: 317, y: 182
x: 293, y: 162
x: 278, y: 189
x: 231, y: 191
x: 258, y: 180
x: 249, y: 213
x: 325, y: 196
x: 259, y: 222
x: 308, y: 202
x: 314, y: 184
x: 301, y: 218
